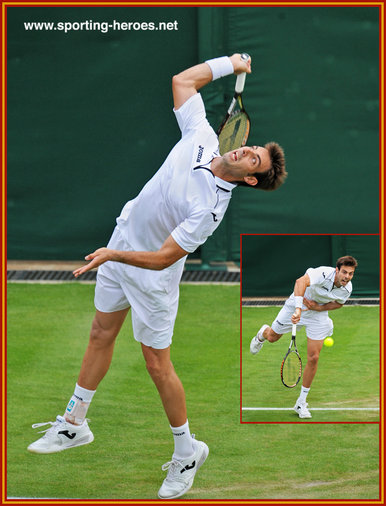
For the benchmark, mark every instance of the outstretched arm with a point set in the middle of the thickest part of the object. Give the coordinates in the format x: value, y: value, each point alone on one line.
x: 187, y: 83
x: 167, y: 255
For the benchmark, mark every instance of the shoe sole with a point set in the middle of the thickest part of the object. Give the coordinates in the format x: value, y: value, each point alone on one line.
x: 81, y: 442
x: 201, y: 460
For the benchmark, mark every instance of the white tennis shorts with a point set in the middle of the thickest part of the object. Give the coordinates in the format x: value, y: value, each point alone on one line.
x: 152, y: 295
x: 317, y: 323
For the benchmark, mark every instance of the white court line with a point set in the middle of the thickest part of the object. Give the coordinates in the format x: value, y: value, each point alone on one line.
x: 311, y: 409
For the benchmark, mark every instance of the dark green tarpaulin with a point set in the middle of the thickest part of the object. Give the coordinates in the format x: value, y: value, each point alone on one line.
x: 272, y: 263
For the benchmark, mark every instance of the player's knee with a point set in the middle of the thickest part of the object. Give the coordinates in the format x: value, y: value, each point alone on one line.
x: 271, y: 335
x: 313, y: 358
x: 100, y: 336
x: 157, y: 369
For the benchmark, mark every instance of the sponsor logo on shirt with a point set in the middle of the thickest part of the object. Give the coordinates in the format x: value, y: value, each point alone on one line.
x: 200, y: 151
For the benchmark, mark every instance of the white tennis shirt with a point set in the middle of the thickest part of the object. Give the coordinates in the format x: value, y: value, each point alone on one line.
x: 183, y: 198
x: 322, y: 289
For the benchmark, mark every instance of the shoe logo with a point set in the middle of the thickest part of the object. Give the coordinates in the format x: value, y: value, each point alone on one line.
x: 67, y: 434
x: 188, y: 467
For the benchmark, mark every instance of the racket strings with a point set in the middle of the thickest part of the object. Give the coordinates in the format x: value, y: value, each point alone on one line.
x: 235, y: 132
x: 292, y: 369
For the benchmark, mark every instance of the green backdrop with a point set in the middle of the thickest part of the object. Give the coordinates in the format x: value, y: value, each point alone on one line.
x: 272, y: 263
x: 90, y: 119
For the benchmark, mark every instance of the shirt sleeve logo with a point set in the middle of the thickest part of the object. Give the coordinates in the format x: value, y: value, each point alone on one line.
x: 200, y: 151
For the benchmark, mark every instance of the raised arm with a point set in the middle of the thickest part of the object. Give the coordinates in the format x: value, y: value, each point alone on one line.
x: 187, y: 83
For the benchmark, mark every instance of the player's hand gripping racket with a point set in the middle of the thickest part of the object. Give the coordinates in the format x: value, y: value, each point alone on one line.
x: 291, y: 367
x: 234, y: 130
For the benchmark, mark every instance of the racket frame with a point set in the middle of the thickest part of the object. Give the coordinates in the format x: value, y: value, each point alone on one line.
x: 239, y: 88
x: 292, y: 349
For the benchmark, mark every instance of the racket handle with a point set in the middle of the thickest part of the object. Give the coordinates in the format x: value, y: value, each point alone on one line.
x: 240, y: 81
x: 294, y: 329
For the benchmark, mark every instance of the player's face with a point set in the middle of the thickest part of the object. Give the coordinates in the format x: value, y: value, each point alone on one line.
x: 248, y: 160
x: 344, y: 275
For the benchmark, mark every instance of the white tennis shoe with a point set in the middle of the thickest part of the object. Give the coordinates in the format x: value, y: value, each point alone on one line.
x: 61, y: 436
x: 181, y: 473
x: 302, y: 410
x: 256, y: 343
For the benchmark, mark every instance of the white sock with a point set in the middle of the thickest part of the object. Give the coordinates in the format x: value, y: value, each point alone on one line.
x: 303, y: 395
x: 262, y: 338
x: 78, y: 405
x: 183, y: 442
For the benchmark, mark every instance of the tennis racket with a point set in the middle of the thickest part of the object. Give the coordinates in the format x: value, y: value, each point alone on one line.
x: 291, y: 367
x: 234, y: 130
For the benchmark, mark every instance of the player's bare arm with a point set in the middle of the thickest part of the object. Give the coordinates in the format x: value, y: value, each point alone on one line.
x: 187, y: 83
x: 314, y: 306
x: 300, y: 288
x: 167, y: 255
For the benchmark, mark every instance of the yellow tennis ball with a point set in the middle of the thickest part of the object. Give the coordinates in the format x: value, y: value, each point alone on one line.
x: 328, y: 342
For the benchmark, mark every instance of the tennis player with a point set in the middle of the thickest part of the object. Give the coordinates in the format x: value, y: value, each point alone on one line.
x: 320, y: 290
x: 176, y: 211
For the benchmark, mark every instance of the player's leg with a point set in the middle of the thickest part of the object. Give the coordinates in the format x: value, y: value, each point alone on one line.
x: 189, y: 454
x: 280, y: 326
x: 318, y: 326
x: 96, y: 362
x: 266, y: 333
x: 72, y: 429
x: 97, y: 358
x: 313, y: 351
x: 154, y: 296
x: 314, y: 348
x: 168, y: 384
x: 112, y: 306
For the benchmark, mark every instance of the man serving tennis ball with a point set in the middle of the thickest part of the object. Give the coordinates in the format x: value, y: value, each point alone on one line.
x: 320, y: 290
x: 141, y: 268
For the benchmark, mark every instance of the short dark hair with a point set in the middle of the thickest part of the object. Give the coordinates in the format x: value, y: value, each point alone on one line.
x: 346, y: 260
x: 275, y: 176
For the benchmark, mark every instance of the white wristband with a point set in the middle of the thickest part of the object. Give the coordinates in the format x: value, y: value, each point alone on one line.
x: 298, y: 301
x: 220, y: 67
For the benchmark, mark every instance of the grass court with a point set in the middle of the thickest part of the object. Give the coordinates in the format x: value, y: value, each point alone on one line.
x: 48, y: 329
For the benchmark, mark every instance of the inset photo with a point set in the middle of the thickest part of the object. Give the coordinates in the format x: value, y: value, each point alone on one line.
x: 310, y: 348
